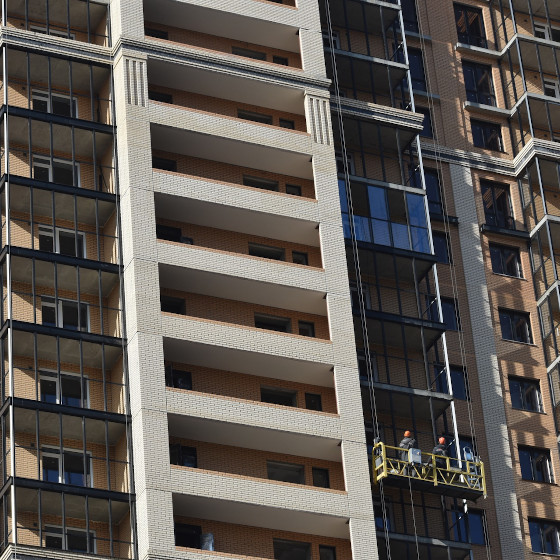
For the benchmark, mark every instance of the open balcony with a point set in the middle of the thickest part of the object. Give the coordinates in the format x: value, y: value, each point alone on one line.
x: 240, y: 37
x: 270, y: 392
x: 236, y: 538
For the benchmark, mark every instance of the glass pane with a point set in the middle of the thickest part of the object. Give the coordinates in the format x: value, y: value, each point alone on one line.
x: 381, y: 234
x: 400, y: 236
x: 48, y: 391
x: 71, y: 391
x: 420, y: 240
x: 377, y: 203
x: 361, y: 228
x: 416, y: 211
x: 50, y: 469
x: 63, y: 173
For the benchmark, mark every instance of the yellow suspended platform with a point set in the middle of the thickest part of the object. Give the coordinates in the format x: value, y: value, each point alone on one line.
x: 424, y: 473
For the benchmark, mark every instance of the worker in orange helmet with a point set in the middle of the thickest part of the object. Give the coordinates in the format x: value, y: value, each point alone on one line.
x: 440, y: 451
x: 406, y: 443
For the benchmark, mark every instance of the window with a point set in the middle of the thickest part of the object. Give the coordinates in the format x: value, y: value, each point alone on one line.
x: 464, y: 443
x: 66, y: 314
x: 160, y: 96
x: 306, y: 328
x: 416, y: 64
x: 383, y: 522
x: 169, y: 233
x: 300, y: 258
x: 487, y: 135
x: 173, y: 305
x: 458, y: 381
x: 497, y: 205
x: 273, y: 395
x: 545, y: 536
x: 55, y: 103
x: 410, y: 18
x: 479, y: 84
x: 285, y: 472
x: 433, y: 191
x: 469, y: 527
x: 291, y: 550
x: 255, y: 117
x: 75, y: 540
x: 248, y: 53
x: 321, y: 477
x: 515, y: 326
x: 52, y: 31
x: 62, y: 241
x: 75, y: 469
x: 505, y: 260
x: 287, y: 123
x: 187, y: 535
x: 272, y: 323
x: 164, y: 163
x: 335, y: 39
x: 470, y: 26
x: 441, y: 249
x: 550, y: 33
x: 535, y: 464
x: 280, y: 60
x: 450, y: 314
x: 67, y: 388
x: 551, y: 87
x: 178, y: 378
x: 183, y: 455
x: 157, y: 33
x: 294, y: 190
x: 313, y: 401
x: 355, y: 295
x: 349, y: 163
x: 56, y: 171
x: 525, y: 394
x: 267, y: 252
x: 260, y: 183
x: 427, y: 131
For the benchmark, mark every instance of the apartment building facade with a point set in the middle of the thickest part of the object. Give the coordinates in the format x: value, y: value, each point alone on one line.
x: 279, y: 234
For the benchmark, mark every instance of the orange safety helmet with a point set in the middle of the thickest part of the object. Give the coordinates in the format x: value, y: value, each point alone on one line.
x: 441, y: 440
x: 407, y: 434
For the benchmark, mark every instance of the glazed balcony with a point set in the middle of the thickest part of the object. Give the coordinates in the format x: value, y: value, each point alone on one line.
x: 59, y: 87
x: 67, y: 372
x: 61, y: 224
x: 86, y: 22
x: 68, y: 156
x: 67, y: 522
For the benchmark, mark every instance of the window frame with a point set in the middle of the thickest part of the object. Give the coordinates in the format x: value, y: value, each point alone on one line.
x: 500, y: 219
x: 503, y: 261
x: 487, y: 138
x: 58, y: 305
x: 476, y: 94
x: 48, y: 531
x: 54, y: 452
x: 471, y: 39
x: 54, y: 233
x: 293, y: 468
x: 541, y: 526
x: 534, y: 454
x: 47, y: 97
x: 53, y: 375
x: 513, y: 316
x: 533, y: 384
x: 47, y: 163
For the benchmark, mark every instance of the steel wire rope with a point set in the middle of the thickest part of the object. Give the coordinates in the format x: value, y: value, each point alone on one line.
x: 454, y: 283
x: 357, y: 268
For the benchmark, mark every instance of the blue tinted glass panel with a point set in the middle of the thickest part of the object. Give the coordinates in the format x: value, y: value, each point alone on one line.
x: 381, y: 234
x: 342, y: 194
x: 420, y: 240
x: 416, y: 210
x: 377, y: 203
x: 400, y: 236
x: 361, y: 228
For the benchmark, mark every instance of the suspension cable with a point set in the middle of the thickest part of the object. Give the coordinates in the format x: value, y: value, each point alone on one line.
x: 357, y: 269
x: 447, y: 229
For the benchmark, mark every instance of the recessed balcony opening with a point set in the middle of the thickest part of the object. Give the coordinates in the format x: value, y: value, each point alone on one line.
x: 67, y: 156
x: 253, y: 463
x: 77, y: 90
x: 222, y: 31
x: 233, y: 526
x: 75, y: 20
x: 224, y: 93
x: 241, y: 312
x: 253, y: 388
x: 67, y: 372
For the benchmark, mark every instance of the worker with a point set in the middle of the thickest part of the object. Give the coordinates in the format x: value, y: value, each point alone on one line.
x: 440, y: 451
x: 407, y: 442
